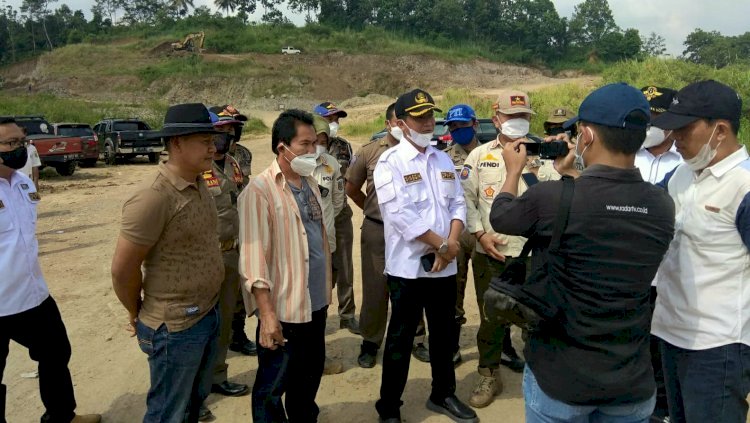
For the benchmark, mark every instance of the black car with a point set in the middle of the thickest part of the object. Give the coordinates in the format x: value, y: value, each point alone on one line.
x: 441, y: 138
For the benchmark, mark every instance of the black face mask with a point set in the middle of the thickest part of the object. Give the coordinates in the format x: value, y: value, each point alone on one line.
x: 223, y: 142
x: 15, y: 159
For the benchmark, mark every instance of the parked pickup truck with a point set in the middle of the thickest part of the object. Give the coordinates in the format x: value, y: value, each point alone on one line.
x: 127, y: 138
x: 60, y: 152
x: 290, y: 50
x: 90, y: 140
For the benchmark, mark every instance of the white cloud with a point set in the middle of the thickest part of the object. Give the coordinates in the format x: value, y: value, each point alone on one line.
x: 672, y: 19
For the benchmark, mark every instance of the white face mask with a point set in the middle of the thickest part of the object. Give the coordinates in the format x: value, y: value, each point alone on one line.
x: 704, y: 156
x: 654, y: 137
x: 334, y: 127
x: 420, y: 140
x: 396, y: 132
x: 515, y: 128
x: 320, y: 149
x: 578, y: 162
x: 304, y: 164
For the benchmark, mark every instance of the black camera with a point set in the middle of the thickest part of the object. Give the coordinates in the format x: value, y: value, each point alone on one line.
x: 547, y: 150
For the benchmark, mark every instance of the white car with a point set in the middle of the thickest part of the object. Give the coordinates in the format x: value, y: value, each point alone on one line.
x: 290, y: 50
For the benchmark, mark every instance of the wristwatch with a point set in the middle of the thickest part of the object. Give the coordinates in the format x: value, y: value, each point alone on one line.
x: 443, y: 247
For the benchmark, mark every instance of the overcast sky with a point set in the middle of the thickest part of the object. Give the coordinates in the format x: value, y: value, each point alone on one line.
x: 672, y: 19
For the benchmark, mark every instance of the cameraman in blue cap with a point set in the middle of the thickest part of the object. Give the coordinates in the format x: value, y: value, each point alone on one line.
x: 588, y: 359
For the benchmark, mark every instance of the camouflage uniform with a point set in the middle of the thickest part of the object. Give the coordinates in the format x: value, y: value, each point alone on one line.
x: 225, y: 185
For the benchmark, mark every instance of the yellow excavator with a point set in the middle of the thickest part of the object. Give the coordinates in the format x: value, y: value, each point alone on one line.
x: 192, y: 43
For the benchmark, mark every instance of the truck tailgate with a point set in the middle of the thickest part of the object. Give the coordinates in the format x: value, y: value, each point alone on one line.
x: 58, y: 148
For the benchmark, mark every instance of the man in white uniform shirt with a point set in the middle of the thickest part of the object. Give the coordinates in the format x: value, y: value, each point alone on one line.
x: 28, y: 314
x: 655, y: 159
x: 702, y: 314
x: 658, y: 156
x: 424, y: 213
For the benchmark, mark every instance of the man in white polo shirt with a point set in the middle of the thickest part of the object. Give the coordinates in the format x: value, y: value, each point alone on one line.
x: 702, y: 313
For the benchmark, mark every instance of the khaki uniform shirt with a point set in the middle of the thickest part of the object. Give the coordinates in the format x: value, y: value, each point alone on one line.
x: 331, y: 186
x: 361, y: 171
x: 225, y: 186
x: 482, y: 177
x: 183, y: 270
x: 458, y: 155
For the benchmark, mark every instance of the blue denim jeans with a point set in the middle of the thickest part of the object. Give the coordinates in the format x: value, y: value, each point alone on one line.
x: 540, y: 408
x: 707, y: 385
x: 181, y: 369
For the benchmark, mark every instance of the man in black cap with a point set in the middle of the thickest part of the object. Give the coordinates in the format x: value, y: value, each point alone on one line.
x: 169, y: 231
x: 702, y: 314
x: 658, y: 156
x: 424, y: 214
x: 589, y: 359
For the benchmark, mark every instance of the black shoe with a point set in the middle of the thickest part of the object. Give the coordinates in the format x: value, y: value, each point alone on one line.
x: 205, y: 415
x: 454, y: 409
x: 350, y: 324
x: 244, y: 347
x: 457, y: 358
x: 512, y: 361
x: 421, y: 353
x: 229, y: 389
x: 389, y: 420
x: 366, y: 359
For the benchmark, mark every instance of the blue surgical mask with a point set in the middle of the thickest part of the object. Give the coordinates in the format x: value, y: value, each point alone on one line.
x: 463, y: 136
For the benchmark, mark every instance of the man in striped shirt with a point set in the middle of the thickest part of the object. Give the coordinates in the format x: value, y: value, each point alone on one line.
x: 285, y: 259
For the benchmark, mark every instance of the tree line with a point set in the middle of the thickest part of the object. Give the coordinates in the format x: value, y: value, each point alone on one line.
x: 525, y: 31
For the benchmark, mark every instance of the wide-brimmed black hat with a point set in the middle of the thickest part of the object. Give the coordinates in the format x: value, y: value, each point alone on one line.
x: 186, y: 119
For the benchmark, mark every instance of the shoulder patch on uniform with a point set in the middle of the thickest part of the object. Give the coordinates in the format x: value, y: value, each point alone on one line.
x: 465, y: 172
x: 340, y: 183
x: 448, y: 175
x: 34, y: 196
x: 323, y: 191
x: 412, y: 178
x: 210, y: 178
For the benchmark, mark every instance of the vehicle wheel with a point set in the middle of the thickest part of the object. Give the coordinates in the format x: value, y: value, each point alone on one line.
x: 66, y: 169
x: 153, y: 157
x: 109, y: 154
x: 88, y: 163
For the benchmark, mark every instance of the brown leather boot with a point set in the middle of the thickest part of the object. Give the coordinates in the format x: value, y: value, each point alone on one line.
x: 488, y: 385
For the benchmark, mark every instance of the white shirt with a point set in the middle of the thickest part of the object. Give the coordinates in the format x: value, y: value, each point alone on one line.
x: 654, y: 168
x: 704, y: 280
x: 22, y: 286
x: 417, y: 192
x: 32, y: 161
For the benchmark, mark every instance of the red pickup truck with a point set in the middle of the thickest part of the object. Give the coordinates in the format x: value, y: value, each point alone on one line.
x: 90, y: 140
x: 60, y: 152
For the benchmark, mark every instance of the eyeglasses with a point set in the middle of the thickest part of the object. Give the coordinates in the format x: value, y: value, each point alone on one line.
x: 15, y: 143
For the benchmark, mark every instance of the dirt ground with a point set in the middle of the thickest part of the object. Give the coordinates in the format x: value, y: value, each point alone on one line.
x: 78, y: 224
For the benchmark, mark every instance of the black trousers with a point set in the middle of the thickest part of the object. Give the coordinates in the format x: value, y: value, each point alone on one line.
x: 409, y: 297
x: 293, y: 370
x: 42, y: 331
